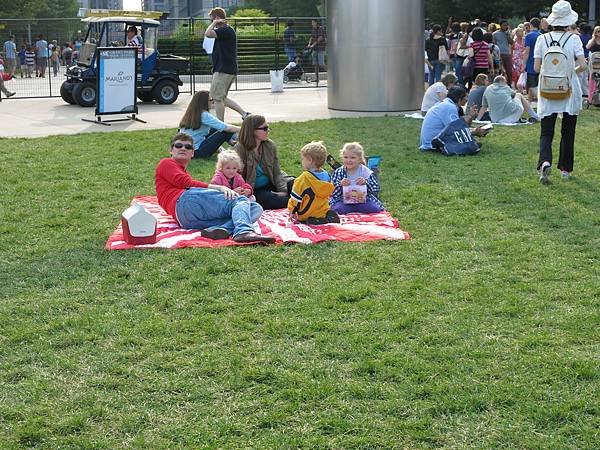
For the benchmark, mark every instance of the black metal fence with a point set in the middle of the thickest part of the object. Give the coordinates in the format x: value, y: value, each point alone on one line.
x: 261, y: 48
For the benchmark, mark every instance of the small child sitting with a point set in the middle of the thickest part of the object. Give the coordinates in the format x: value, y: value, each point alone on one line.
x: 229, y: 164
x: 356, y: 185
x: 309, y: 200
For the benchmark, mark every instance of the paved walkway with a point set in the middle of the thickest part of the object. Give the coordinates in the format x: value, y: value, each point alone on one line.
x: 52, y: 116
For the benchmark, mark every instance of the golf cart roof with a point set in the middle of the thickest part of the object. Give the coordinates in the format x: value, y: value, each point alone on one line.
x: 122, y: 19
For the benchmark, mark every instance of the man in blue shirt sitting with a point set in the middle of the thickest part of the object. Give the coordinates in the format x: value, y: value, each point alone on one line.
x: 442, y: 114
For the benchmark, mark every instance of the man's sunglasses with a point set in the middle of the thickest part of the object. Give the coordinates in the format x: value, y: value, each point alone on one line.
x: 265, y: 128
x: 187, y: 146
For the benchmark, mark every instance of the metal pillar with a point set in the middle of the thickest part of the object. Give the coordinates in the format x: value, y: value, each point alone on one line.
x: 375, y: 55
x: 592, y: 13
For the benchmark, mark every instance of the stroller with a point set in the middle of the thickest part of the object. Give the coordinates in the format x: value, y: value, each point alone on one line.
x: 293, y: 71
x: 594, y: 95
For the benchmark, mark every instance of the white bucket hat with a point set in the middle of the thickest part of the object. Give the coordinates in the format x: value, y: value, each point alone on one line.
x: 562, y: 14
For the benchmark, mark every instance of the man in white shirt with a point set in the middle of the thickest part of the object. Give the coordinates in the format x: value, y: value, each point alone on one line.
x: 437, y: 92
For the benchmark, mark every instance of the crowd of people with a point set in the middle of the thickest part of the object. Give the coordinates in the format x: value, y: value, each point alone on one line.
x: 496, y: 73
x: 248, y: 178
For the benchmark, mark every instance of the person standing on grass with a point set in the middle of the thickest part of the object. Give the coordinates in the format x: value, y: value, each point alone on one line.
x: 224, y: 59
x: 560, y: 19
x: 532, y: 75
x: 504, y: 41
x: 207, y: 131
x: 215, y: 210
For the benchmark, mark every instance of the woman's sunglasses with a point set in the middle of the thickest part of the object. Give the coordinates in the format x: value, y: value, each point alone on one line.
x: 265, y: 128
x: 180, y: 145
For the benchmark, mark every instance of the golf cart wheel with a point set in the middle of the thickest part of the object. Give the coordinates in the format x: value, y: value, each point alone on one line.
x: 165, y: 92
x: 84, y: 94
x: 285, y: 79
x: 66, y: 92
x: 145, y: 96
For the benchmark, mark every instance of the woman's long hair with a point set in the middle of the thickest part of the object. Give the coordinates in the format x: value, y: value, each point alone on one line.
x: 246, y: 136
x: 193, y: 114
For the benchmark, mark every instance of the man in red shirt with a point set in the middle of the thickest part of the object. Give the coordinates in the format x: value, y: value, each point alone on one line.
x: 215, y: 210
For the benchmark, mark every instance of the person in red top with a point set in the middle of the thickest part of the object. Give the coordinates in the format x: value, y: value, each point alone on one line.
x: 215, y: 210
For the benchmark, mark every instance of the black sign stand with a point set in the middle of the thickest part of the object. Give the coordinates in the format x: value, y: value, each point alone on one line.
x: 99, y: 76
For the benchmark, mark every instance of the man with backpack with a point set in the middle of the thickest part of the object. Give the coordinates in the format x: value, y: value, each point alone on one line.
x: 559, y: 90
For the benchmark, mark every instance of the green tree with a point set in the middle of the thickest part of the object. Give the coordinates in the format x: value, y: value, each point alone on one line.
x: 440, y: 10
x: 286, y: 8
x: 250, y: 12
x: 30, y: 9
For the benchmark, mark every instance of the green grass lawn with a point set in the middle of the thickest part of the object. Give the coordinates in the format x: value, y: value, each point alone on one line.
x: 482, y: 331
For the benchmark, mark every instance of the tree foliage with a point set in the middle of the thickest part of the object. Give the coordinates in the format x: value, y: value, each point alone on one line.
x: 440, y: 10
x: 30, y: 9
x: 250, y: 12
x: 286, y: 8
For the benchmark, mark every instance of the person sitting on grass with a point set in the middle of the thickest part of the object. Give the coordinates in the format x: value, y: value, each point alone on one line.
x: 504, y: 104
x: 309, y: 200
x: 261, y: 164
x: 215, y: 210
x: 207, y: 131
x: 352, y: 181
x: 475, y: 97
x: 227, y: 173
x: 437, y: 92
x: 442, y: 114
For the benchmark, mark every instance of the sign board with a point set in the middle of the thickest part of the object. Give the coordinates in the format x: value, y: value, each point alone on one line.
x: 117, y: 74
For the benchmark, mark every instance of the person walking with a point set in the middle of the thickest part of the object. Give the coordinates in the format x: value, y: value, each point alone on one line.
x: 560, y: 19
x: 2, y: 87
x: 10, y: 55
x: 504, y: 41
x: 224, y: 59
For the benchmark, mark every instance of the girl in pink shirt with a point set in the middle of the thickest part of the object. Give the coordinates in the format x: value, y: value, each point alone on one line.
x: 227, y: 173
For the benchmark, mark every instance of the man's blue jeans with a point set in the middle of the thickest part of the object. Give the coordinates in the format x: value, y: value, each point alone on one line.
x: 435, y: 74
x: 290, y: 52
x: 199, y: 209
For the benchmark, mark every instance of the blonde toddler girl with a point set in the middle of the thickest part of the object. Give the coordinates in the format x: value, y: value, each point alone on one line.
x: 227, y: 173
x: 354, y: 171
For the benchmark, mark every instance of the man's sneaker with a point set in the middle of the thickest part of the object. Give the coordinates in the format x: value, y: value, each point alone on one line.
x: 215, y: 233
x: 10, y: 94
x: 545, y: 172
x: 533, y: 120
x: 246, y: 114
x: 565, y: 175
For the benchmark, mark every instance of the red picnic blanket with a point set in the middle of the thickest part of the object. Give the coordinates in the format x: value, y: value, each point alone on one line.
x: 353, y: 228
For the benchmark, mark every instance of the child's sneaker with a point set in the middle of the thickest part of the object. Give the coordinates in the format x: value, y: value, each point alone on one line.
x: 545, y: 172
x: 565, y: 175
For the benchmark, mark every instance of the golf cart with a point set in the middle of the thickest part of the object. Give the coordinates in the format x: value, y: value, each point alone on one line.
x: 158, y: 75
